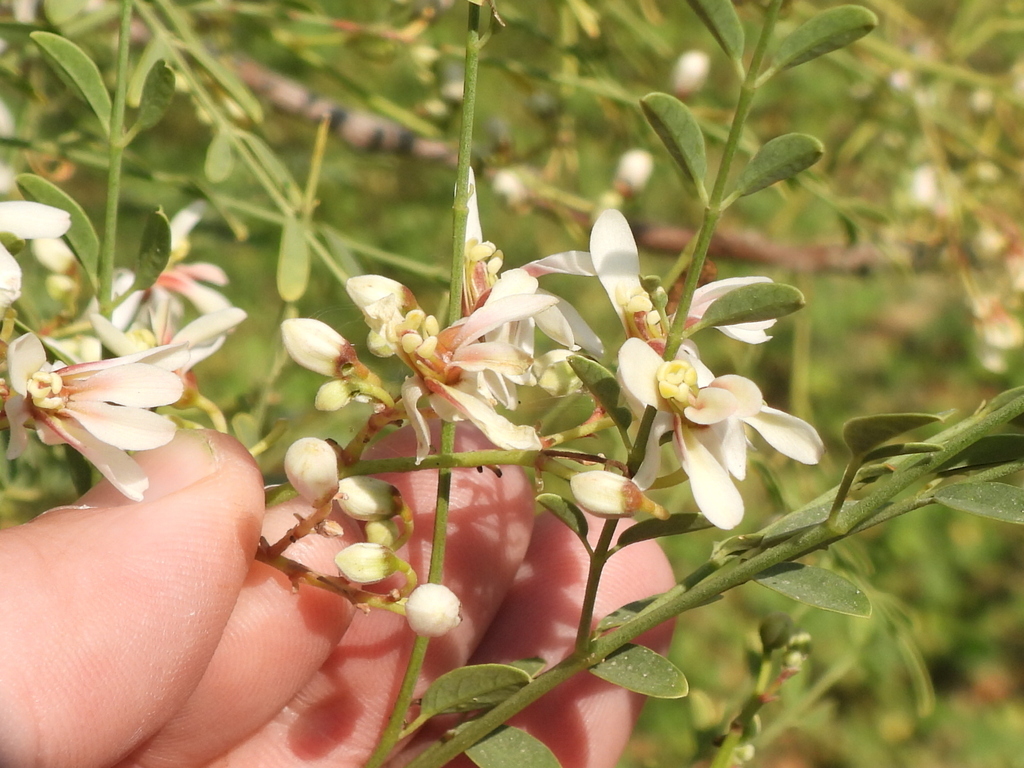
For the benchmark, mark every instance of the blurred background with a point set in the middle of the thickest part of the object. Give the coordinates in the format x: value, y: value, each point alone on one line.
x: 905, y: 238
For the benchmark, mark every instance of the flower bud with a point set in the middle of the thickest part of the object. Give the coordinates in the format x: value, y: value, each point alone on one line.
x: 333, y: 395
x: 366, y: 290
x: 775, y: 631
x: 312, y: 468
x: 316, y: 346
x: 383, y: 532
x: 433, y: 610
x: 633, y: 171
x: 606, y: 494
x: 10, y: 279
x: 367, y: 498
x: 509, y: 186
x: 554, y: 374
x: 29, y: 220
x: 366, y: 563
x: 689, y: 73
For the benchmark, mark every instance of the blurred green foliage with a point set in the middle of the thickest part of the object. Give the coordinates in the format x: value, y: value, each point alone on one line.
x: 917, y: 199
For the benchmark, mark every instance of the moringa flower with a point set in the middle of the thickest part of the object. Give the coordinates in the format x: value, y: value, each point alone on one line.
x: 705, y: 415
x: 97, y: 408
x: 26, y: 221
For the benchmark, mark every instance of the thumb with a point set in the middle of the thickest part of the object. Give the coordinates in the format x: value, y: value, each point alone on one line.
x: 114, y: 609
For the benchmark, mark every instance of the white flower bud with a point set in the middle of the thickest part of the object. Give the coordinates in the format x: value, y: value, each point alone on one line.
x: 367, y: 498
x: 554, y: 374
x: 606, y: 494
x: 366, y: 563
x: 31, y: 220
x: 383, y: 532
x: 10, y: 279
x: 365, y: 290
x: 509, y: 186
x: 312, y: 468
x: 433, y: 610
x: 690, y: 73
x: 53, y: 254
x: 633, y: 171
x: 315, y: 345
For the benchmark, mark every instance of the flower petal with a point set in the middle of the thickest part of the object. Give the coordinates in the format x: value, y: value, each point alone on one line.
x: 130, y: 429
x: 207, y: 328
x: 10, y: 279
x: 748, y: 396
x: 114, y: 464
x: 499, y: 356
x: 135, y: 384
x: 29, y: 220
x: 495, y: 314
x: 499, y: 430
x: 25, y: 356
x: 638, y: 368
x: 412, y: 391
x: 616, y: 260
x: 565, y: 263
x: 711, y: 406
x: 474, y: 232
x: 788, y: 435
x: 648, y: 471
x: 713, y: 489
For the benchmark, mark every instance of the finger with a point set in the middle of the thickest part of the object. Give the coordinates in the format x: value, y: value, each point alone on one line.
x: 586, y: 721
x: 113, y: 610
x: 338, y: 718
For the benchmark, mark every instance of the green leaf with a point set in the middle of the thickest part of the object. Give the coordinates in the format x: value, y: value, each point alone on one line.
x: 679, y: 132
x: 245, y: 427
x: 531, y: 666
x: 626, y: 613
x: 752, y: 303
x: 157, y: 94
x: 989, y: 451
x: 639, y: 669
x: 998, y: 501
x: 508, y: 747
x: 817, y: 587
x: 272, y: 164
x: 220, y: 158
x: 781, y: 158
x: 826, y: 32
x: 655, y: 529
x: 866, y: 432
x: 567, y: 512
x: 76, y: 69
x: 154, y: 252
x: 81, y: 237
x: 59, y: 12
x: 900, y: 449
x: 465, y: 689
x: 719, y: 16
x: 603, y: 386
x: 293, y: 261
x: 155, y: 51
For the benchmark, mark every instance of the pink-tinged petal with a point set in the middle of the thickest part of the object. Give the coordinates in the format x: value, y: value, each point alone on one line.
x: 494, y: 355
x: 130, y: 429
x: 552, y: 323
x: 500, y: 388
x: 169, y: 357
x: 203, y: 297
x: 207, y: 328
x: 748, y: 333
x: 727, y: 442
x: 513, y: 282
x: 704, y: 296
x: 616, y: 260
x: 711, y: 406
x: 201, y: 270
x: 474, y: 231
x: 748, y: 397
x: 499, y: 430
x: 114, y: 464
x: 17, y: 414
x: 25, y: 356
x: 638, y: 368
x: 565, y: 263
x: 31, y: 220
x: 581, y: 334
x: 412, y: 391
x: 713, y: 490
x: 495, y: 314
x: 136, y: 384
x: 788, y: 435
x: 10, y: 279
x: 649, y: 467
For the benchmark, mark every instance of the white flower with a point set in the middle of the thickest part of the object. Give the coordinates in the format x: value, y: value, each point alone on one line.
x: 26, y: 221
x: 705, y: 415
x: 689, y: 73
x: 433, y: 610
x: 98, y: 408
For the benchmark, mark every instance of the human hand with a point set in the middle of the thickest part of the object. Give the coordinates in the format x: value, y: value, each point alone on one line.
x: 144, y: 634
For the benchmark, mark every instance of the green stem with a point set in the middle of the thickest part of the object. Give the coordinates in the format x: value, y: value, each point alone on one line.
x: 697, y: 592
x: 713, y: 211
x: 724, y: 756
x: 116, y: 143
x: 597, y: 561
x: 393, y: 729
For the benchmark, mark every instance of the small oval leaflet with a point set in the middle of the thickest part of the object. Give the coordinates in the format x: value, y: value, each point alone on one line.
x: 510, y: 747
x: 602, y: 384
x: 655, y: 529
x: 866, y: 432
x: 157, y: 93
x: 480, y: 686
x: 815, y: 586
x: 293, y: 261
x: 641, y: 670
x: 620, y: 616
x: 826, y: 32
x: 154, y: 251
x: 988, y: 451
x: 900, y: 449
x: 781, y: 158
x: 679, y: 132
x: 74, y: 67
x: 81, y: 237
x: 567, y: 512
x: 719, y: 16
x: 998, y: 501
x: 752, y: 303
x: 220, y: 158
